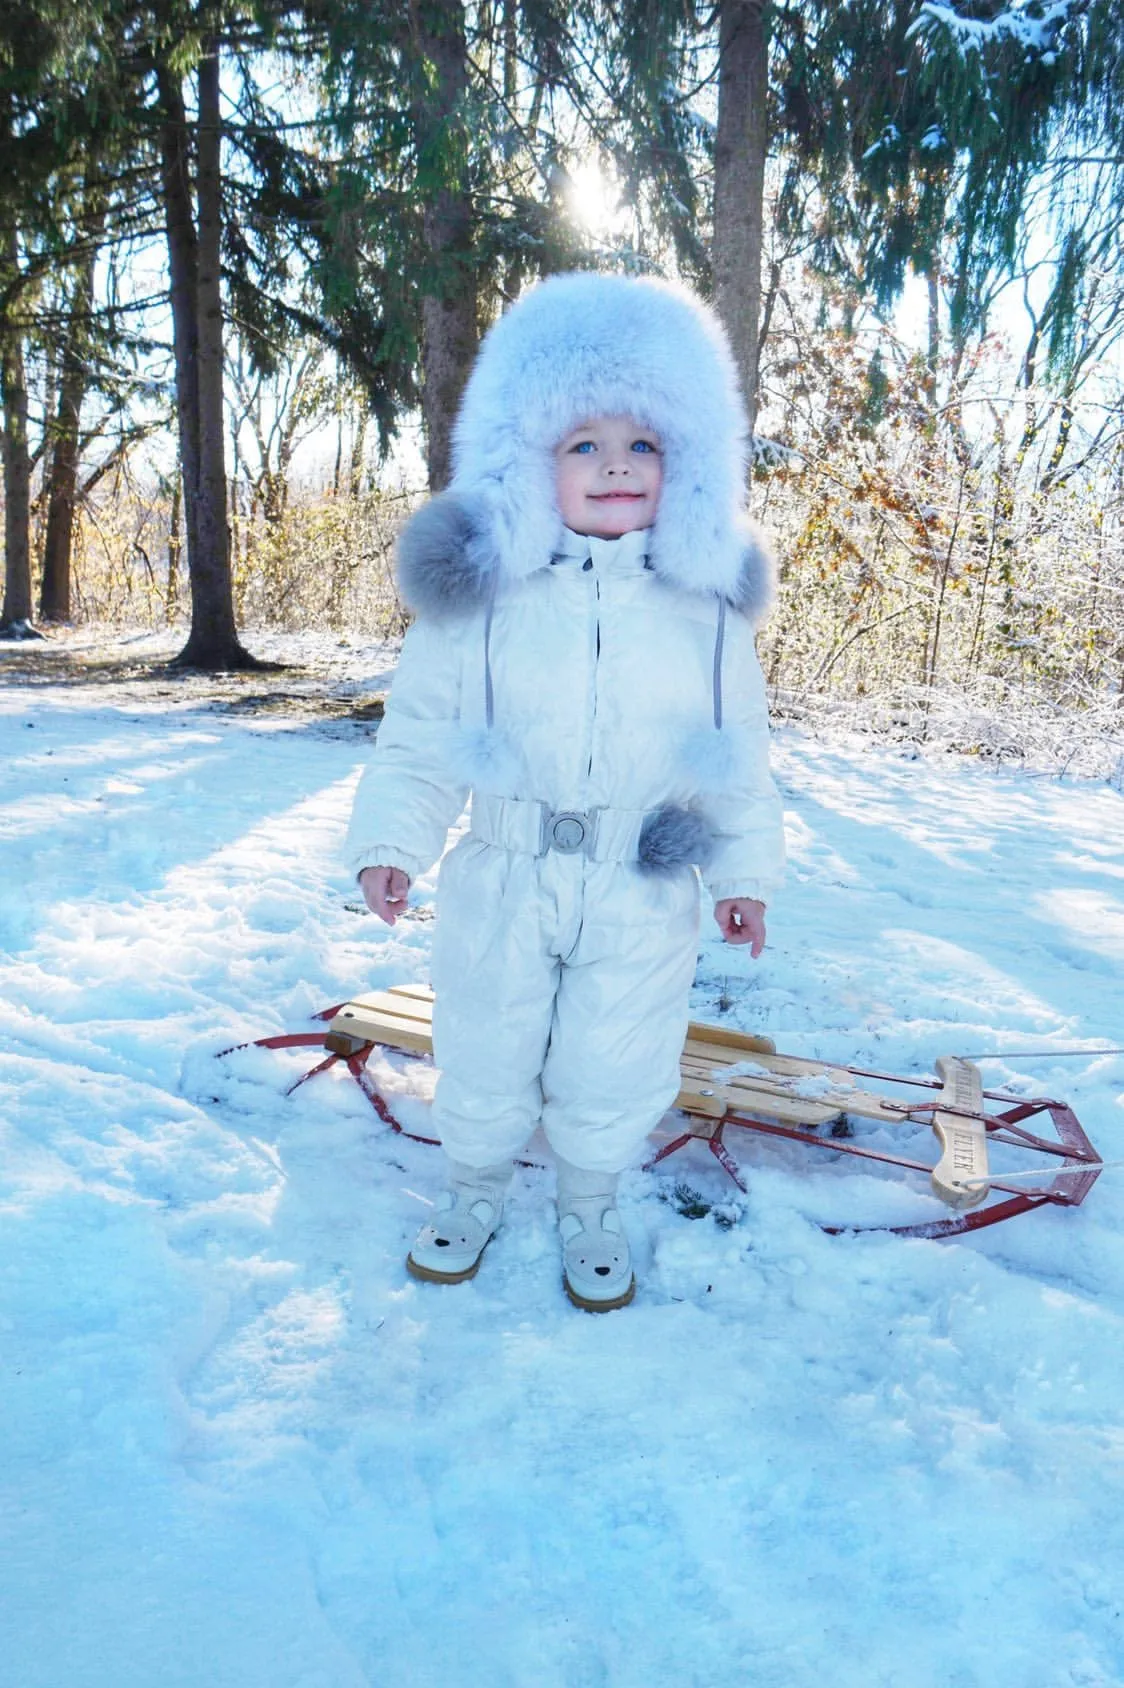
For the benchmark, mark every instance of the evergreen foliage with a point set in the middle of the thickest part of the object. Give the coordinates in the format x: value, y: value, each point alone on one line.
x: 929, y: 127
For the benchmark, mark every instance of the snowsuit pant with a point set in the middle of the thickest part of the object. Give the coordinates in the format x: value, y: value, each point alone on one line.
x: 562, y: 997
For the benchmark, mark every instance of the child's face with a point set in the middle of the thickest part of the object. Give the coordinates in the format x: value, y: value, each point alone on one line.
x: 607, y: 476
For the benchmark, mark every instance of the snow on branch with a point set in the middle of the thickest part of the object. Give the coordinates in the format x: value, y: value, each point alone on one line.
x: 1028, y: 23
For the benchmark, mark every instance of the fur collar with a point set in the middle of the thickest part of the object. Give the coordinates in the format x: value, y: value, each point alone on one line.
x: 447, y: 567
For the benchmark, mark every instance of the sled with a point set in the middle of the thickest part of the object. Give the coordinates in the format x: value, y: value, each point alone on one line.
x: 731, y: 1081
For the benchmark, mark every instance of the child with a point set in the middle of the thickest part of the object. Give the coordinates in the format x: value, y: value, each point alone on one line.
x: 582, y: 663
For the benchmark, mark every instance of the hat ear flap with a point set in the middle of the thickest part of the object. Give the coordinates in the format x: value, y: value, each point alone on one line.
x: 756, y: 585
x: 445, y: 565
x: 524, y: 523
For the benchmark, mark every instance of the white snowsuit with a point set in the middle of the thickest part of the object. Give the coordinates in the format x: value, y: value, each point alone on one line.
x: 561, y: 982
x: 549, y: 674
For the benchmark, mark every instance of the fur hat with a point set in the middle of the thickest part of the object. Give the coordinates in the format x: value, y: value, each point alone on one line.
x: 575, y: 347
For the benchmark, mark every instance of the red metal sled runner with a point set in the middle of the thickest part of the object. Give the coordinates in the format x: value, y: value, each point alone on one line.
x: 732, y: 1081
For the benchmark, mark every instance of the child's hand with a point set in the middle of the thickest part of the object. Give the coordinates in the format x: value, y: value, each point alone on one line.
x: 741, y: 920
x: 384, y: 891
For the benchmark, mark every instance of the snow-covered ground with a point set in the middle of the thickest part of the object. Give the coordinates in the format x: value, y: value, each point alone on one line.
x: 240, y: 1446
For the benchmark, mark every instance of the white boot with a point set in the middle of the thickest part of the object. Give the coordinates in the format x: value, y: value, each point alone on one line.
x: 447, y: 1249
x: 596, y: 1263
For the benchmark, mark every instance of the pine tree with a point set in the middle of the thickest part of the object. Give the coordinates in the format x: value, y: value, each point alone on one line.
x: 928, y: 127
x: 75, y: 371
x: 446, y: 194
x: 44, y: 124
x: 740, y: 152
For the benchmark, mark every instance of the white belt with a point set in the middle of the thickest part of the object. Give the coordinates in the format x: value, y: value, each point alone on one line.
x: 519, y: 823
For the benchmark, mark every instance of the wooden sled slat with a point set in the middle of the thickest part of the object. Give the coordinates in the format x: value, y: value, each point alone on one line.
x: 414, y: 1001
x: 777, y: 1095
x: 703, y: 1094
x: 776, y: 1089
x: 401, y: 1017
x: 714, y: 1094
x: 391, y: 1017
x: 724, y: 1037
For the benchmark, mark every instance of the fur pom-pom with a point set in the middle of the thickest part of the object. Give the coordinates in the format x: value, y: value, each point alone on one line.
x: 708, y: 759
x: 673, y: 837
x: 444, y: 563
x: 488, y: 760
x: 757, y: 578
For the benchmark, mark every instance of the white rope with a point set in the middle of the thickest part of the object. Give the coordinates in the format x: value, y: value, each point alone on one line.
x: 1036, y: 1054
x: 1038, y: 1172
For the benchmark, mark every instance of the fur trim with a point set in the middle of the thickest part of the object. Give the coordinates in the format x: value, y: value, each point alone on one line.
x: 756, y: 585
x: 673, y: 837
x: 584, y: 345
x: 487, y: 759
x: 444, y: 563
x: 708, y: 759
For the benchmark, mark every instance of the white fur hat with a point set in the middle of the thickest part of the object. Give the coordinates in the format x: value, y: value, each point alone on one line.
x: 575, y: 347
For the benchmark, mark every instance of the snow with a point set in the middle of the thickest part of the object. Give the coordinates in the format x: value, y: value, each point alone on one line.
x: 242, y: 1447
x: 889, y: 138
x: 1030, y: 24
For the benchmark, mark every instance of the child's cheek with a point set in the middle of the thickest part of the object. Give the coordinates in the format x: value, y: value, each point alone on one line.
x: 569, y: 489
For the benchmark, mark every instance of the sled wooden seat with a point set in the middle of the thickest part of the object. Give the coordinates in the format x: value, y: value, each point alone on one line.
x: 727, y: 1075
x: 401, y: 1018
x: 731, y: 1079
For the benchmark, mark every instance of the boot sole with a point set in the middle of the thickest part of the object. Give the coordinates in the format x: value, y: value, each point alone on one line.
x: 430, y: 1274
x: 588, y: 1306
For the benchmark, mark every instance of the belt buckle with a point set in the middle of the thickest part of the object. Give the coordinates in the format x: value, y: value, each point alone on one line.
x: 568, y: 830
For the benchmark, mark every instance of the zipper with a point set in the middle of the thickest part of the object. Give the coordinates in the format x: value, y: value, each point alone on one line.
x: 596, y: 661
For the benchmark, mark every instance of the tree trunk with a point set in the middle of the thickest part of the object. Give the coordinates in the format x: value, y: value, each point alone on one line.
x: 179, y: 229
x: 62, y: 483
x: 62, y: 473
x: 358, y: 455
x: 172, y: 591
x: 194, y: 266
x: 449, y: 336
x: 740, y: 150
x: 15, y: 619
x: 933, y: 354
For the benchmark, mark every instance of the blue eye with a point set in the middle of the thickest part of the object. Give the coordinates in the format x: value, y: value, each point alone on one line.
x: 584, y: 446
x: 642, y: 445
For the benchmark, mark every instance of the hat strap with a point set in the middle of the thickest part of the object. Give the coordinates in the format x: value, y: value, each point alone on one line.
x: 719, y: 642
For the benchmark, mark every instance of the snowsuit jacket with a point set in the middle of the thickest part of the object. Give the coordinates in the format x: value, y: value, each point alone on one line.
x: 599, y: 676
